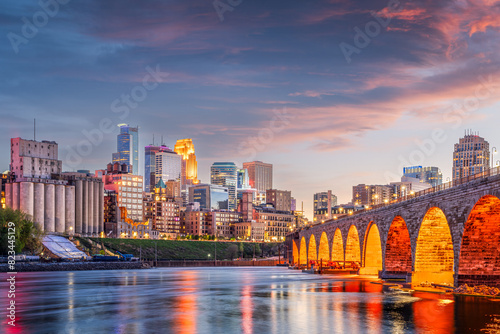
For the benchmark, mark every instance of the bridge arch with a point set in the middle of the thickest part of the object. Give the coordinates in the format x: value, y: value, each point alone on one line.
x: 479, y: 261
x: 352, y: 248
x: 434, y: 257
x: 324, y: 249
x: 311, y: 251
x: 398, y: 259
x: 303, y: 251
x: 337, y: 246
x: 295, y: 253
x: 372, y: 251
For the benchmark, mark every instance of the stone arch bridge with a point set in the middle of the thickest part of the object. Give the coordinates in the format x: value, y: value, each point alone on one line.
x: 449, y: 234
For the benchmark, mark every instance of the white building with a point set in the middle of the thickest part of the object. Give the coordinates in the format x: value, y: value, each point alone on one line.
x: 33, y: 159
x: 168, y: 166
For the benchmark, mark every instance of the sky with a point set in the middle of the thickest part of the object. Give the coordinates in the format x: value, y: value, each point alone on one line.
x: 332, y: 93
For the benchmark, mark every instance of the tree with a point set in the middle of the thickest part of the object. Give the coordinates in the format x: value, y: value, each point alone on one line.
x: 232, y: 251
x: 28, y: 236
x: 242, y: 250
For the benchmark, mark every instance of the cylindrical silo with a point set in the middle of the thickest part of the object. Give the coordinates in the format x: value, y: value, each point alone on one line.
x: 39, y: 203
x: 85, y: 207
x: 15, y: 196
x: 60, y: 196
x: 8, y: 195
x: 96, y: 207
x: 50, y: 209
x: 90, y: 212
x: 70, y: 209
x: 78, y: 206
x: 101, y: 207
x: 26, y: 198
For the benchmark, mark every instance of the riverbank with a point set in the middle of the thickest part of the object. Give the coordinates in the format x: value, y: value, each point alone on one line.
x: 73, y: 266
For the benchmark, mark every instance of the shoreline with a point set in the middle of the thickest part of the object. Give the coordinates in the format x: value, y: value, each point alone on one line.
x: 72, y: 266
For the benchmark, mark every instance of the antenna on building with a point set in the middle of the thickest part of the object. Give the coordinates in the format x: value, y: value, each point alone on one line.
x: 153, y: 139
x: 34, y: 129
x: 161, y: 140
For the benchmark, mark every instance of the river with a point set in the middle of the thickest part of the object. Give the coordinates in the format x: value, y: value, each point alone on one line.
x: 232, y: 300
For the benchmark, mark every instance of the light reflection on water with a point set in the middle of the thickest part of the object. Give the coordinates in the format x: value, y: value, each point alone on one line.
x: 232, y: 300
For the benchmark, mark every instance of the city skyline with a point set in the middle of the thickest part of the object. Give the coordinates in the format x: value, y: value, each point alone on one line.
x: 336, y: 124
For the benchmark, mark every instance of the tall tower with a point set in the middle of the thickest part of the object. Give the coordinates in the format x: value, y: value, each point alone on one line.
x: 471, y: 156
x: 128, y: 147
x: 185, y: 148
x: 260, y: 175
x: 150, y: 166
x: 225, y: 174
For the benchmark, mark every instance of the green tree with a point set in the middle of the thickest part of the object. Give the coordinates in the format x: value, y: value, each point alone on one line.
x: 232, y: 252
x: 28, y: 236
x: 242, y: 250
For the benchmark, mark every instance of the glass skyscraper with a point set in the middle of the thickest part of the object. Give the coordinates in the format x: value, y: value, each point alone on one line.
x: 225, y: 174
x: 128, y: 148
x: 431, y: 175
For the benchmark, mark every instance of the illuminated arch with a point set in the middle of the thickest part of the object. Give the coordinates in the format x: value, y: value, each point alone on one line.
x: 372, y: 251
x: 295, y: 253
x: 434, y: 255
x: 337, y: 246
x: 398, y: 248
x: 303, y: 251
x: 324, y: 249
x: 479, y: 261
x: 311, y: 252
x: 352, y: 250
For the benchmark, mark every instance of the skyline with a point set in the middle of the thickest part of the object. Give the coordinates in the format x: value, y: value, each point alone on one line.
x: 345, y: 123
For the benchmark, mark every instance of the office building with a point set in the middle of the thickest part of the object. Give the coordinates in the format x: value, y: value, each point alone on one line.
x: 277, y: 223
x: 128, y: 189
x: 260, y: 175
x: 33, y: 159
x: 168, y: 166
x: 150, y: 165
x: 243, y: 179
x: 225, y: 174
x: 128, y: 148
x: 431, y: 175
x: 249, y: 231
x: 163, y: 211
x: 471, y: 156
x: 189, y: 173
x: 209, y: 196
x: 280, y: 199
x: 369, y: 195
x: 323, y: 201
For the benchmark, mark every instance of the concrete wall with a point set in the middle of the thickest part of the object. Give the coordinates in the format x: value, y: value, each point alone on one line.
x: 39, y: 205
x: 50, y: 208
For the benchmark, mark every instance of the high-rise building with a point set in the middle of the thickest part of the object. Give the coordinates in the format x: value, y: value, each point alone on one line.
x: 128, y: 148
x: 225, y: 174
x: 168, y: 166
x: 471, y: 156
x: 431, y: 175
x: 209, y: 196
x: 128, y: 189
x: 280, y: 199
x: 260, y: 175
x: 185, y: 148
x: 33, y: 159
x: 324, y: 202
x: 162, y: 210
x: 150, y: 165
x: 243, y: 179
x: 369, y: 195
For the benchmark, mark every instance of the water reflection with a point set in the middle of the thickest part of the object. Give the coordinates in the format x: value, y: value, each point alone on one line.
x: 233, y: 300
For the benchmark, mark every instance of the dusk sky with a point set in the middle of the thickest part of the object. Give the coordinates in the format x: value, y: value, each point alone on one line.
x: 332, y: 93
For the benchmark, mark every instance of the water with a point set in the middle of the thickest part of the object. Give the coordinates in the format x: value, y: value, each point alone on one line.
x: 232, y: 300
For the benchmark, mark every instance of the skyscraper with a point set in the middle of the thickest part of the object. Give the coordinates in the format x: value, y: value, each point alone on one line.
x: 167, y: 166
x: 243, y: 179
x: 322, y: 199
x: 150, y: 166
x: 185, y: 148
x: 210, y: 197
x: 225, y: 174
x: 471, y: 156
x: 260, y: 175
x: 431, y: 175
x: 128, y: 148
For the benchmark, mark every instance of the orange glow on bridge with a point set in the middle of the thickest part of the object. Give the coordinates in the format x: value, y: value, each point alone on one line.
x: 398, y: 248
x: 311, y: 253
x: 338, y: 246
x: 324, y: 249
x: 372, y: 251
x: 303, y: 251
x: 480, y: 253
x: 352, y: 250
x: 434, y: 255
